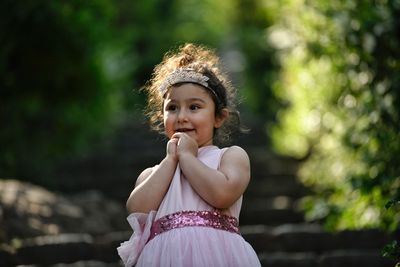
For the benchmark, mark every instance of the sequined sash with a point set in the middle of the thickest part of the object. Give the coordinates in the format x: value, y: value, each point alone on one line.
x: 180, y: 219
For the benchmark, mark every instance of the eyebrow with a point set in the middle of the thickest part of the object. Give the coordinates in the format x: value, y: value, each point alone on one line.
x: 196, y: 99
x: 189, y: 100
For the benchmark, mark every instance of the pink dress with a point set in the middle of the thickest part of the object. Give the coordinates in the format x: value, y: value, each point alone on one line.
x: 189, y: 245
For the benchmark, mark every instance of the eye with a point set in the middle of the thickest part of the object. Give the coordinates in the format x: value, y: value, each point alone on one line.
x: 171, y: 107
x: 194, y: 107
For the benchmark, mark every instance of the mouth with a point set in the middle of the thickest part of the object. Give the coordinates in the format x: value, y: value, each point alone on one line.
x: 183, y: 130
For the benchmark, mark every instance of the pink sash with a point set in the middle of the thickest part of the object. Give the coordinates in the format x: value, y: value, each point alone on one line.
x: 213, y: 219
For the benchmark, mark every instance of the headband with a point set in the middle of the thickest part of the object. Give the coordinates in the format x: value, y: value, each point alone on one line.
x: 185, y: 75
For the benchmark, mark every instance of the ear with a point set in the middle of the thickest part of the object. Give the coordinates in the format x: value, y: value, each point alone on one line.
x: 220, y: 119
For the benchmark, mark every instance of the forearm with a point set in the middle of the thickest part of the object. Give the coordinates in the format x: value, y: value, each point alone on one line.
x: 212, y: 185
x: 149, y: 194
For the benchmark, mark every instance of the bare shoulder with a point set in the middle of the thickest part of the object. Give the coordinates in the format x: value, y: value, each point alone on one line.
x: 235, y: 153
x: 235, y: 156
x: 142, y: 176
x: 235, y: 164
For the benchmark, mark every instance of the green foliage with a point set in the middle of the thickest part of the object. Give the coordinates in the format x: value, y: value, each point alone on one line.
x: 340, y: 65
x: 260, y: 66
x: 70, y: 69
x: 154, y: 27
x: 392, y: 251
x: 56, y: 90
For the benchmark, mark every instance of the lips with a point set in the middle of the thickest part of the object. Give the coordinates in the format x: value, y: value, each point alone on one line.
x: 184, y: 130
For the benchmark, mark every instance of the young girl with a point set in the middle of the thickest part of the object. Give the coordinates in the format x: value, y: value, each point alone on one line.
x: 184, y: 211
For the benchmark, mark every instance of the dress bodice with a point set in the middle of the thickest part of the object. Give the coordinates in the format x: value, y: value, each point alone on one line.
x: 182, y: 197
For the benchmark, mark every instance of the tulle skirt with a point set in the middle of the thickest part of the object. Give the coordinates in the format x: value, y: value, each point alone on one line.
x: 198, y: 246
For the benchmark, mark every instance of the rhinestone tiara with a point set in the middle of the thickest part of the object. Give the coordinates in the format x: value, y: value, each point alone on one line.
x: 182, y: 75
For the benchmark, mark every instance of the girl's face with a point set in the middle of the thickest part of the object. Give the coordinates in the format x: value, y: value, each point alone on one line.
x: 190, y: 109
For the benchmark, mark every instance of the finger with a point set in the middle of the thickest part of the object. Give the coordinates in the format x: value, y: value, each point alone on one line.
x: 177, y: 135
x: 174, y: 140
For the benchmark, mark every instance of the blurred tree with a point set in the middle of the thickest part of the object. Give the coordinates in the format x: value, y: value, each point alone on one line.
x: 154, y: 27
x: 70, y: 69
x: 260, y: 70
x: 340, y: 74
x: 58, y: 87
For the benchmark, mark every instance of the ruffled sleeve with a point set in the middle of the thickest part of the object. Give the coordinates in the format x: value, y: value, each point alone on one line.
x: 130, y: 250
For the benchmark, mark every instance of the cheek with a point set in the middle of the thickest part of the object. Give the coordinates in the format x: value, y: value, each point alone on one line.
x: 168, y: 128
x: 168, y: 122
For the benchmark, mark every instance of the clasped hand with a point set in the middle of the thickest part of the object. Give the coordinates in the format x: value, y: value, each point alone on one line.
x: 181, y: 144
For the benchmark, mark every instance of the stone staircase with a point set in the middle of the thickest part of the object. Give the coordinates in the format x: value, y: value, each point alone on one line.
x: 270, y: 220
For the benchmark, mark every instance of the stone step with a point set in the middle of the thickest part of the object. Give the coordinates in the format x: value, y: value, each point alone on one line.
x: 270, y: 211
x: 351, y: 258
x: 270, y: 217
x: 265, y: 162
x: 63, y: 248
x: 279, y: 202
x: 276, y: 185
x: 287, y: 245
x: 312, y: 238
x: 354, y: 258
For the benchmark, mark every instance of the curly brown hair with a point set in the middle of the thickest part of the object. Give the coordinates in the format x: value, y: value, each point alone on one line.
x: 202, y: 60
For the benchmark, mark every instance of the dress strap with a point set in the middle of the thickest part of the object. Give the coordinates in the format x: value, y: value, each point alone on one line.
x: 213, y: 219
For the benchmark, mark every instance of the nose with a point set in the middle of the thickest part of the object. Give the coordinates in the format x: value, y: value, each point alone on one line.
x: 182, y: 115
